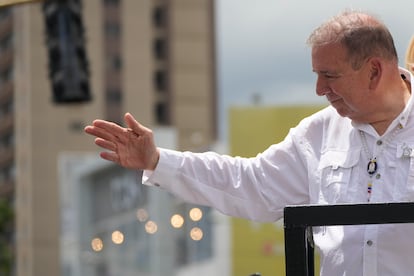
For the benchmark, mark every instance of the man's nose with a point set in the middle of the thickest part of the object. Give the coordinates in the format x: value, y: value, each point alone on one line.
x: 321, y: 87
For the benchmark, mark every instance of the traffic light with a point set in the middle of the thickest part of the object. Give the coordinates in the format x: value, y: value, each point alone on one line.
x: 68, y: 63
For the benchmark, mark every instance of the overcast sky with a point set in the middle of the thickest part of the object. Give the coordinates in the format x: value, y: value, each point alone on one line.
x: 261, y: 46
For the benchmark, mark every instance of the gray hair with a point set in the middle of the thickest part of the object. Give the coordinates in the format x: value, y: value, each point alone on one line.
x: 363, y: 36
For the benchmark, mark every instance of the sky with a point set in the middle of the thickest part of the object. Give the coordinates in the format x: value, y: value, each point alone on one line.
x: 262, y: 51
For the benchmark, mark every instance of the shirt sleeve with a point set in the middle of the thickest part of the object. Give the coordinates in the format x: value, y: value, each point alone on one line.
x: 255, y: 188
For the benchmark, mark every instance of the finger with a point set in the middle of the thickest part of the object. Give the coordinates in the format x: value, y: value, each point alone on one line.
x: 133, y: 124
x: 110, y: 128
x: 105, y: 144
x: 110, y: 156
x: 100, y: 133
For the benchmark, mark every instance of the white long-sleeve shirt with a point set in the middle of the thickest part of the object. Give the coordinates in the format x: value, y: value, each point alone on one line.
x: 323, y: 160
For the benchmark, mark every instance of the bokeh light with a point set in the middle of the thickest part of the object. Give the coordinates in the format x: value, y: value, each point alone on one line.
x: 142, y: 215
x: 151, y: 227
x: 117, y: 237
x: 196, y: 234
x: 97, y: 244
x: 177, y: 221
x: 196, y: 214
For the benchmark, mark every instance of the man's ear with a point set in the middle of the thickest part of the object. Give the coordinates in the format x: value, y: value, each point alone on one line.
x: 375, y: 72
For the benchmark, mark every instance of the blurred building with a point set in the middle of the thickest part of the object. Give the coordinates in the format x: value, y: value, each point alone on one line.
x: 154, y: 58
x: 112, y: 225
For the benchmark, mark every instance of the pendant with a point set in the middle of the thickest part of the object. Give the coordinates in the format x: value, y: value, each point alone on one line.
x: 372, y: 166
x: 369, y: 191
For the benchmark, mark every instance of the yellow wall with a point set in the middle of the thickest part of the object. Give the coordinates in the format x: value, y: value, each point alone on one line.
x: 260, y: 247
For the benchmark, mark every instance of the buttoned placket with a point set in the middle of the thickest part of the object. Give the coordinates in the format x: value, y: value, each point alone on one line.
x: 376, y: 179
x: 370, y: 250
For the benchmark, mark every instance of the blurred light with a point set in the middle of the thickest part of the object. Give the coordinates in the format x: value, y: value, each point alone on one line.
x: 196, y: 214
x: 196, y: 234
x: 151, y: 227
x: 142, y: 215
x: 177, y: 221
x: 97, y: 244
x: 117, y: 237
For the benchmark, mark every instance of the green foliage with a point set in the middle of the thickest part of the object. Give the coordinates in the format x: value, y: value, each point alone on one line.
x: 6, y: 221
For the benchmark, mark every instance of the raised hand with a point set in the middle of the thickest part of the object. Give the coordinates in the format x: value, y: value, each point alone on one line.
x: 131, y: 147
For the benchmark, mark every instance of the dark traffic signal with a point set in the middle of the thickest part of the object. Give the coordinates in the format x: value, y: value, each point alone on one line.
x: 68, y: 63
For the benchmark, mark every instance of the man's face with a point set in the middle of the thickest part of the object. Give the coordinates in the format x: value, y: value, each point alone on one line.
x: 346, y: 89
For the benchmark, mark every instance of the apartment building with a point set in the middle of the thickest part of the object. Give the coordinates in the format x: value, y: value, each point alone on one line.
x: 154, y: 58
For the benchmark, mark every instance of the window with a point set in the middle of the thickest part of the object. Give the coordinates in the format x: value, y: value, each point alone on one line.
x: 111, y: 2
x: 113, y: 95
x: 114, y: 62
x: 112, y: 29
x: 160, y: 49
x: 160, y: 80
x: 159, y: 17
x: 162, y: 114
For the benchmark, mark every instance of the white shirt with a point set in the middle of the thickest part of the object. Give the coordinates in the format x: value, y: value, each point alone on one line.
x: 321, y: 161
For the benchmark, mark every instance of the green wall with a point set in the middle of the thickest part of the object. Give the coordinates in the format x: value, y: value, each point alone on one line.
x: 260, y: 247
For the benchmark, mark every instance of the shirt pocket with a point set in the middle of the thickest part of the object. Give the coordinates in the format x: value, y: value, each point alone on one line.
x: 336, y: 169
x: 404, y: 173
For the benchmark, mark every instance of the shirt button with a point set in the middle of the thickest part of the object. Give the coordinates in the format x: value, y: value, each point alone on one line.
x: 156, y: 184
x: 369, y: 242
x: 378, y: 176
x: 379, y: 142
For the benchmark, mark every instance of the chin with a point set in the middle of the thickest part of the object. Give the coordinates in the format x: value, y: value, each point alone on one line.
x: 342, y: 111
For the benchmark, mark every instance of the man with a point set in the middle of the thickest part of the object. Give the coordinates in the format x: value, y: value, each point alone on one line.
x: 359, y: 149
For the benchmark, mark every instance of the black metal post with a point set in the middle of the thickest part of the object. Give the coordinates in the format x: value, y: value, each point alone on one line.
x: 296, y: 251
x: 297, y: 219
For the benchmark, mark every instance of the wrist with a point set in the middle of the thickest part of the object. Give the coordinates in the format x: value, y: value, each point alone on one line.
x: 154, y: 160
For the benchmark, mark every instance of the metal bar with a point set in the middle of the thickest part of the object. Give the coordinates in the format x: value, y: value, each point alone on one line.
x: 296, y: 254
x: 297, y: 219
x: 349, y: 214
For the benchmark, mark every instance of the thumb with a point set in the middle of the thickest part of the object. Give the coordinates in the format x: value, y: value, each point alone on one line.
x: 133, y: 124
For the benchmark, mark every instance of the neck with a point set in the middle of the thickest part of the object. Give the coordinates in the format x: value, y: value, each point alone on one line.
x: 396, y: 103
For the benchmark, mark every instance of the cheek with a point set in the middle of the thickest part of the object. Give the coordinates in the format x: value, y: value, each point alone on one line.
x: 347, y: 90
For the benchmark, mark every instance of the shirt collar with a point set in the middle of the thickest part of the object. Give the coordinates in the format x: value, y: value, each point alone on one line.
x: 405, y: 114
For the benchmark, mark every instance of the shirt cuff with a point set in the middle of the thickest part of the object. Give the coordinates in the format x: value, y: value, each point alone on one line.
x: 168, y: 163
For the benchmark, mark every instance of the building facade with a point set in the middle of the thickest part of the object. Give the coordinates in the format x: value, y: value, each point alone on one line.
x: 153, y: 58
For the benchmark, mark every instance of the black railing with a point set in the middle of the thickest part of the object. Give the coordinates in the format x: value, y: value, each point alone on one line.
x: 298, y: 222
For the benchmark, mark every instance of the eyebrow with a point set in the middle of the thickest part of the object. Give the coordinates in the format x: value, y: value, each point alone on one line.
x: 327, y: 72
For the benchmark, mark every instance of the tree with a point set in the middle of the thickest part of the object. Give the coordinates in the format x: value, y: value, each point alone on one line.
x: 6, y: 221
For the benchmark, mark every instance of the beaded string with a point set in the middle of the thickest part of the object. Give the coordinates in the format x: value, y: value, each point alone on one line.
x: 372, y: 165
